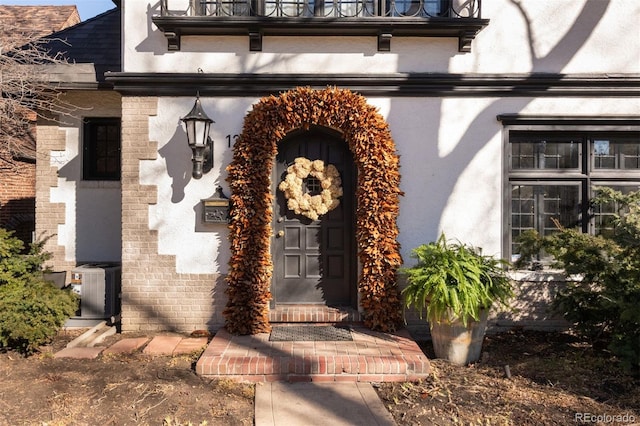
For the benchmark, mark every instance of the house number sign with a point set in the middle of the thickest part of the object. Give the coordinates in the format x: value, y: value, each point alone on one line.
x: 231, y: 139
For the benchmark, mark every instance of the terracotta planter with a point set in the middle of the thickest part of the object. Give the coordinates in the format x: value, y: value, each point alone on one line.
x: 459, y: 344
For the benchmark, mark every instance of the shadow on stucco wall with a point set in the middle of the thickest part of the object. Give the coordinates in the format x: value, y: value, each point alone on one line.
x: 97, y: 215
x: 177, y: 155
x: 435, y: 175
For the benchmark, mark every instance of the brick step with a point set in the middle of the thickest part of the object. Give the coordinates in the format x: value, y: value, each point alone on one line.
x: 370, y: 357
x: 314, y: 313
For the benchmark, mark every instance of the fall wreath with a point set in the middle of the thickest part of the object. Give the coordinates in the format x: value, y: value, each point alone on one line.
x: 305, y: 203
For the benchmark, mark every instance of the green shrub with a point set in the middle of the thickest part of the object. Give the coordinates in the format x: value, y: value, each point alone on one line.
x: 603, y: 306
x: 455, y: 278
x: 32, y: 310
x: 16, y: 267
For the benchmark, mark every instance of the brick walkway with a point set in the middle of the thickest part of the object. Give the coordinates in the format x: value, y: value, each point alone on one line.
x: 159, y: 345
x: 370, y: 357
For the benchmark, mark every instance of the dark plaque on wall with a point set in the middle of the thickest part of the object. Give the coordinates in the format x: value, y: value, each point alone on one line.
x: 216, y: 208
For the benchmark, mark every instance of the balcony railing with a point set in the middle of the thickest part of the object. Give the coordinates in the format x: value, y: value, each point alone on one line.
x: 382, y: 18
x: 327, y: 9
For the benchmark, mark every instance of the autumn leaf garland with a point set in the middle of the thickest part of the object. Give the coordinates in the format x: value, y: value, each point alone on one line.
x: 377, y: 194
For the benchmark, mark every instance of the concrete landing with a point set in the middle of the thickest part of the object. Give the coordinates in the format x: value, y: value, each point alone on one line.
x: 309, y: 404
x: 78, y: 353
x: 126, y: 346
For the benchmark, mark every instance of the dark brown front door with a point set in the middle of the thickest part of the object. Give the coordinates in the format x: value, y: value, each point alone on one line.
x: 314, y: 260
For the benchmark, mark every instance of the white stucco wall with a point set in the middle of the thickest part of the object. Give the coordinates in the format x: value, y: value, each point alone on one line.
x: 92, y: 222
x: 451, y: 149
x: 198, y: 247
x: 451, y: 168
x: 452, y: 162
x: 527, y: 36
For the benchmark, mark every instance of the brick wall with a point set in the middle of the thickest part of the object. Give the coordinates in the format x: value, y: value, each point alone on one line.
x: 49, y: 215
x: 17, y: 195
x: 154, y: 295
x: 529, y: 309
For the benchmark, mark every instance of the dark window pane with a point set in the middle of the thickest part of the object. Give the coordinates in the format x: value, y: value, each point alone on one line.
x: 545, y: 155
x: 543, y: 208
x: 616, y: 153
x: 101, y: 149
x: 631, y: 155
x: 604, y: 214
x: 526, y: 221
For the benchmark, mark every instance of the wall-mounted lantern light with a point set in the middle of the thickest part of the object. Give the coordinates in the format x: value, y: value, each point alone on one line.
x: 197, y: 124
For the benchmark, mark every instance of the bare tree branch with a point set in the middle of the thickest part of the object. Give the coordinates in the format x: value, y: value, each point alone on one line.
x: 26, y: 93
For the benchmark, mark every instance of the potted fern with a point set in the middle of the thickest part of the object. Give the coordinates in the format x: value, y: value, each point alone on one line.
x: 456, y: 285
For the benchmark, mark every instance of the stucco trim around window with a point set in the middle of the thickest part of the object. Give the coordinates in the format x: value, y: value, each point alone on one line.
x: 392, y: 84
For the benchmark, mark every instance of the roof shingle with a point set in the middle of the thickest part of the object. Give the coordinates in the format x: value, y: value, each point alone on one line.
x: 36, y: 21
x: 95, y: 41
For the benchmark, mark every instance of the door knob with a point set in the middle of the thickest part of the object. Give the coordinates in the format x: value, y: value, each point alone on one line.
x: 280, y: 234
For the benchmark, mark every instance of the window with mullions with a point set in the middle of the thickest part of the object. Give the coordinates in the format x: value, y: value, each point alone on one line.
x: 545, y: 153
x: 101, y: 149
x: 616, y: 153
x: 604, y: 214
x: 553, y: 175
x: 543, y: 208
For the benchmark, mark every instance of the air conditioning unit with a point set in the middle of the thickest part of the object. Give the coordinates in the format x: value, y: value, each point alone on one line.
x: 98, y: 285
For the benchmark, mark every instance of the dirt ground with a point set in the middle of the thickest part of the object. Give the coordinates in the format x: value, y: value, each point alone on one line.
x: 133, y: 389
x: 554, y: 378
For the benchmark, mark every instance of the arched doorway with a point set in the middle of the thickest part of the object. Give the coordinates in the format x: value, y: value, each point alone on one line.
x: 377, y: 198
x: 314, y: 259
